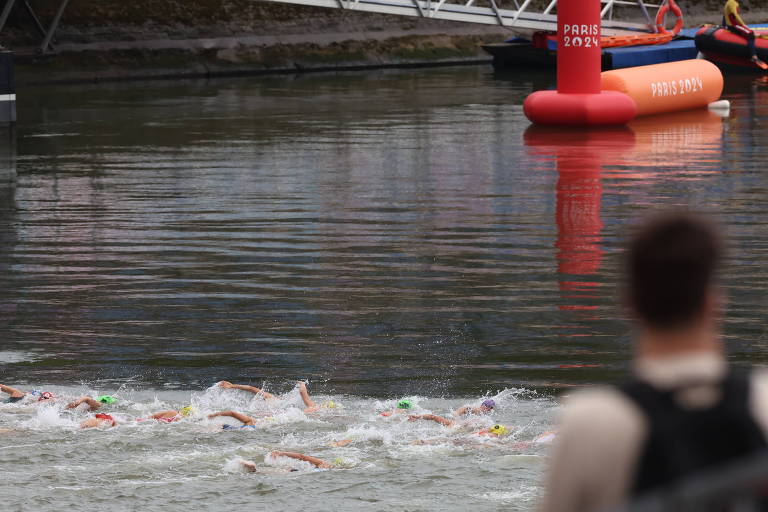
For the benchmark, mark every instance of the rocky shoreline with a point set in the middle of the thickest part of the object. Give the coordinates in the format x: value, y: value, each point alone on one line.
x: 110, y: 40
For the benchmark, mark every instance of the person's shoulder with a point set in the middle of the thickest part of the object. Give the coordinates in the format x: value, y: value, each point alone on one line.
x: 759, y: 374
x: 759, y: 397
x: 601, y: 408
x: 758, y: 378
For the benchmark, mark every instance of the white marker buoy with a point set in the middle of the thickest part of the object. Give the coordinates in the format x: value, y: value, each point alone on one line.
x: 721, y: 107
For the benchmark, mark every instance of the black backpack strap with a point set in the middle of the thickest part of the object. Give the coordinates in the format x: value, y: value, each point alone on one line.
x: 682, y: 441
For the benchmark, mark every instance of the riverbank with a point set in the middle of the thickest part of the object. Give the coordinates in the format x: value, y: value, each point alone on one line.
x: 234, y: 38
x: 247, y: 54
x: 100, y: 41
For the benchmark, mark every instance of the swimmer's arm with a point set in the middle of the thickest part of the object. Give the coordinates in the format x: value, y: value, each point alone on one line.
x: 432, y: 417
x: 251, y: 389
x: 164, y: 414
x: 248, y: 466
x: 461, y: 411
x: 308, y: 402
x: 92, y: 404
x: 320, y: 463
x: 343, y: 442
x: 247, y: 420
x: 15, y: 393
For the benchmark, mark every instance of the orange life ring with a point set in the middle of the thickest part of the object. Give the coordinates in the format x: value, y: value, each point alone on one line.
x: 670, y: 5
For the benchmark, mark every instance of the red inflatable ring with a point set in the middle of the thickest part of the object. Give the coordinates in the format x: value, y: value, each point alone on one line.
x: 670, y: 5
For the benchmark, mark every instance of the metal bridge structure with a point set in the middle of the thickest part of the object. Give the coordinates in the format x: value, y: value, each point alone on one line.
x: 522, y: 14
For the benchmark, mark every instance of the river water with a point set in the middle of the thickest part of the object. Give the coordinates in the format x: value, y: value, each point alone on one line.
x: 379, y: 234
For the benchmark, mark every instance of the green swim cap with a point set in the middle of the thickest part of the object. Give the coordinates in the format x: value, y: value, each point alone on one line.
x: 404, y: 404
x: 106, y: 399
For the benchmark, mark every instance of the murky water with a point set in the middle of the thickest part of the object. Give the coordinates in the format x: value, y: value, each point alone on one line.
x: 383, y: 234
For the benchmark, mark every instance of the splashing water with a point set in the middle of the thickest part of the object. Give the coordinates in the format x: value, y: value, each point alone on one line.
x: 373, y: 457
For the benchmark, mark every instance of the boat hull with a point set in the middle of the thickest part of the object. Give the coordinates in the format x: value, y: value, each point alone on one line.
x: 730, y: 50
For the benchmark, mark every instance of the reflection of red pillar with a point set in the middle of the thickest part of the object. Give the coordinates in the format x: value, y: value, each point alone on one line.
x: 579, y: 192
x: 580, y: 156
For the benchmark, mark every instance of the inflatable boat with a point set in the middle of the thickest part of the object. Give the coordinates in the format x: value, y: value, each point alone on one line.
x: 727, y: 49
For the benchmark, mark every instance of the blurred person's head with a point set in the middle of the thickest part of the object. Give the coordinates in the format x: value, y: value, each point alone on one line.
x: 672, y: 262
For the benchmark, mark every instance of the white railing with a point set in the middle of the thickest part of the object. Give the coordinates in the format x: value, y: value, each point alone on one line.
x: 488, y: 12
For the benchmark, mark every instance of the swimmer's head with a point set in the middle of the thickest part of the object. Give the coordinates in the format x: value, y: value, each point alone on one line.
x: 187, y: 411
x: 487, y: 405
x: 227, y: 426
x: 45, y: 395
x: 107, y: 417
x: 329, y: 404
x: 404, y: 404
x: 498, y: 430
x: 106, y: 399
x: 338, y: 461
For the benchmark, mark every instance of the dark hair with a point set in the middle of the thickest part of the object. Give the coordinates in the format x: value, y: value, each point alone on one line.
x: 671, y: 265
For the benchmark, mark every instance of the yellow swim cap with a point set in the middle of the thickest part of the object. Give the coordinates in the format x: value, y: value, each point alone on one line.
x: 499, y: 430
x: 186, y: 411
x: 330, y: 404
x: 337, y: 461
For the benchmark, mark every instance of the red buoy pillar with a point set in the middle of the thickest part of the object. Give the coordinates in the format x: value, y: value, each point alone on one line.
x: 578, y: 100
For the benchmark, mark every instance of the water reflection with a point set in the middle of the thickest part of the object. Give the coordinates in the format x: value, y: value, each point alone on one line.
x: 8, y: 218
x: 580, y: 156
x: 387, y: 232
x: 585, y: 158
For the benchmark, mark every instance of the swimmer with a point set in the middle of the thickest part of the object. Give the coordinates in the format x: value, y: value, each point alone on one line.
x: 93, y: 404
x: 251, y: 467
x: 15, y: 394
x: 486, y: 407
x: 496, y: 430
x: 432, y: 417
x: 247, y: 421
x: 402, y: 406
x: 318, y: 463
x: 99, y: 420
x: 310, y: 405
x: 251, y: 389
x: 542, y: 439
x: 170, y: 416
x: 342, y: 443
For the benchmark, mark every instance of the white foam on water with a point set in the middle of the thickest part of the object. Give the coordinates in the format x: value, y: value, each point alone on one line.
x: 48, y: 416
x: 525, y: 493
x: 14, y: 356
x: 194, y: 454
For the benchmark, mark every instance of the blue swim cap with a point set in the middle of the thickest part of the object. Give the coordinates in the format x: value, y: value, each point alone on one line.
x: 227, y: 426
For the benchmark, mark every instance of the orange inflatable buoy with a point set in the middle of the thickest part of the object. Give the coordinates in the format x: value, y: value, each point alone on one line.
x: 636, y: 40
x: 663, y: 10
x: 669, y: 87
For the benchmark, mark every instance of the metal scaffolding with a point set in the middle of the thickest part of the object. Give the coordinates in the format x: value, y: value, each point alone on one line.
x: 46, y: 33
x: 523, y: 16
